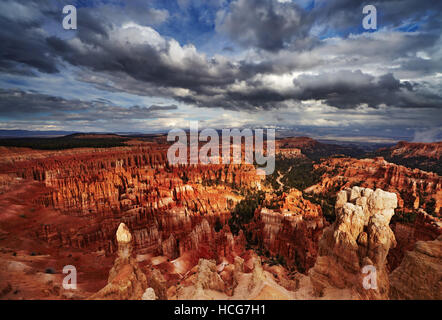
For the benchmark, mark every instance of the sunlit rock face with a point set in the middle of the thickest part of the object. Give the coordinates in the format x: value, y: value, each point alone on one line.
x: 425, y: 156
x: 124, y: 239
x: 126, y: 279
x: 153, y: 231
x: 359, y: 237
x: 424, y: 228
x: 123, y: 234
x: 246, y: 278
x: 292, y: 231
x: 417, y: 191
x: 208, y: 277
x: 419, y: 276
x: 414, y: 188
x: 149, y: 294
x: 100, y: 188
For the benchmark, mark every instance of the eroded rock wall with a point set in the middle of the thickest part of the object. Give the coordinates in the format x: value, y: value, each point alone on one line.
x: 419, y: 276
x: 359, y: 237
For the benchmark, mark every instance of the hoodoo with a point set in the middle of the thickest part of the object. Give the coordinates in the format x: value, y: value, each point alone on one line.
x: 126, y: 279
x: 359, y: 237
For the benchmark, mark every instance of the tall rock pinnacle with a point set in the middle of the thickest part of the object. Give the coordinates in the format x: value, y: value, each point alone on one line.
x: 124, y: 239
x: 123, y: 234
x: 357, y: 241
x: 126, y: 279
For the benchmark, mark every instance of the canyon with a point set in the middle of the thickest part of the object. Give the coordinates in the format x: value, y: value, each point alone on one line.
x: 126, y: 218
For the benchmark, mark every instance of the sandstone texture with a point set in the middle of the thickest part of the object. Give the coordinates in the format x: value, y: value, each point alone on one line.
x: 149, y: 294
x: 292, y: 231
x: 138, y: 228
x: 359, y: 237
x: 414, y: 188
x: 126, y: 279
x: 419, y: 276
x: 419, y: 193
x: 424, y: 228
x: 425, y: 156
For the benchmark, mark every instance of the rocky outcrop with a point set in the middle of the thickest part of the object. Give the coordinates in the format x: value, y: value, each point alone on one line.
x: 414, y: 150
x: 89, y: 199
x: 158, y: 283
x: 290, y: 153
x: 257, y: 274
x: 359, y: 237
x: 6, y: 182
x: 420, y: 274
x: 316, y: 150
x: 126, y: 280
x: 238, y: 270
x: 207, y: 276
x: 149, y: 294
x: 424, y: 228
x: 414, y: 188
x: 292, y: 231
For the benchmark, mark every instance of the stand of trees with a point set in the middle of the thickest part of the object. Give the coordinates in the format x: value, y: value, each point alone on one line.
x: 244, y: 211
x: 296, y: 173
x: 67, y: 142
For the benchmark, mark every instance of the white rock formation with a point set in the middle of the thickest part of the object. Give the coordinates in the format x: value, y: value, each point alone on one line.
x: 123, y: 234
x: 359, y: 237
x: 149, y: 294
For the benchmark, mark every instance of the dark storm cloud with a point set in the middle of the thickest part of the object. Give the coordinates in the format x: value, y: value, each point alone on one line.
x: 22, y: 39
x: 273, y: 25
x: 348, y: 89
x: 138, y: 60
x: 342, y: 89
x: 25, y: 43
x: 18, y: 104
x: 342, y: 15
x: 265, y: 24
x: 162, y: 108
x: 147, y: 63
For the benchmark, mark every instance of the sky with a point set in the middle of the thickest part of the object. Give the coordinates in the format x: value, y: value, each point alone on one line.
x: 304, y: 67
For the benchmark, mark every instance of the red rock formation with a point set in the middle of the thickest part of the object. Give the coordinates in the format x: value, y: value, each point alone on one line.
x: 425, y: 156
x: 419, y: 277
x: 424, y: 228
x: 170, y: 210
x: 292, y: 231
x: 81, y: 196
x: 289, y: 152
x: 412, y: 186
x: 161, y: 204
x: 314, y: 149
x: 126, y: 280
x: 411, y: 150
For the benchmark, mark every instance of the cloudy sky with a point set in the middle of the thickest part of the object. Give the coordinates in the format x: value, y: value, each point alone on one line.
x: 301, y: 66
